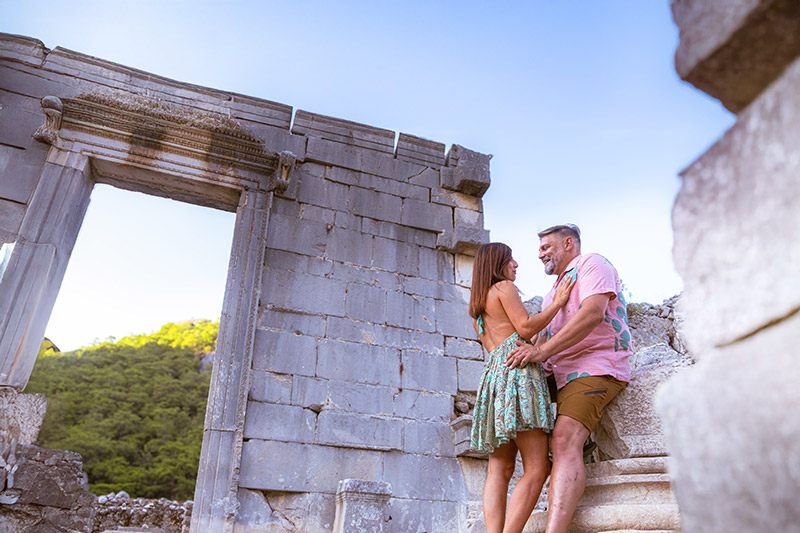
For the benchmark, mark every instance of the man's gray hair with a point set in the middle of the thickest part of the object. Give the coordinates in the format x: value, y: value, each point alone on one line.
x: 564, y: 230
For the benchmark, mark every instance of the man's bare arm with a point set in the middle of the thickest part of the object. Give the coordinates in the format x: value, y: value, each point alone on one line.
x: 588, y: 317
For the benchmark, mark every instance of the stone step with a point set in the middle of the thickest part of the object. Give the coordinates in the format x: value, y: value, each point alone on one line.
x: 616, y: 518
x: 629, y: 489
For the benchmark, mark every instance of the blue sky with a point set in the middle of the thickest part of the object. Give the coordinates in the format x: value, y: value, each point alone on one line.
x: 577, y: 101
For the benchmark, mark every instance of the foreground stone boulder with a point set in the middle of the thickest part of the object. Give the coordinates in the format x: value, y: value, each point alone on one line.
x: 630, y: 426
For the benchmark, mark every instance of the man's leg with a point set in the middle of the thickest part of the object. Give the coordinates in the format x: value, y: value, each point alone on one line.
x: 580, y: 406
x: 568, y: 478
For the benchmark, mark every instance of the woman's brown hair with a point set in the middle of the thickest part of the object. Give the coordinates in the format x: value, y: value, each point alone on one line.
x: 490, y: 261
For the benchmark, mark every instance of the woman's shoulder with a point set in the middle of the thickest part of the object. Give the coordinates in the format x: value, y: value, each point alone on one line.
x: 504, y: 286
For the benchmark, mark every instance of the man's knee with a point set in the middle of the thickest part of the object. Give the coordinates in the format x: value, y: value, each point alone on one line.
x: 568, y: 436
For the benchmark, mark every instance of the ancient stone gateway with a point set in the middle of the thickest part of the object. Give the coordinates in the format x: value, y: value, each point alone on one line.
x: 344, y: 334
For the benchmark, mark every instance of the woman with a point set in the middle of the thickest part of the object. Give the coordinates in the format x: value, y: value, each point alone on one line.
x: 512, y: 410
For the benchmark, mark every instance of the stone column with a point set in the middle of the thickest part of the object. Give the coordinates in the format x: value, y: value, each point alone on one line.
x: 38, y: 261
x: 215, y: 501
x: 361, y: 506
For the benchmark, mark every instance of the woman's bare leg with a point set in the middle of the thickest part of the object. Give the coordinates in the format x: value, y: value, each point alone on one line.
x: 495, y: 492
x: 533, y: 447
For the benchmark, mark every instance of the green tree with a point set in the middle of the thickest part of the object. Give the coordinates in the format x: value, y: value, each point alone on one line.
x: 133, y: 409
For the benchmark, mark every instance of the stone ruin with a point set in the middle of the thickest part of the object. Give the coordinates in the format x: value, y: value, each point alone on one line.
x: 344, y: 352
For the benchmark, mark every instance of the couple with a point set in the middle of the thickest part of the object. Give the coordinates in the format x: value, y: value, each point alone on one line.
x: 582, y: 338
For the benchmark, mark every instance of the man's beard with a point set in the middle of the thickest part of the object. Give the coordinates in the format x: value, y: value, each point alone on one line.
x: 550, y: 267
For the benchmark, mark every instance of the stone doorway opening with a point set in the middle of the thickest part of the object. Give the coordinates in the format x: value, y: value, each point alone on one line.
x: 139, y: 262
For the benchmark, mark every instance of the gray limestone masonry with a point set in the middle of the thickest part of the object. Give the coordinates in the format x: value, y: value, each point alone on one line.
x: 343, y: 289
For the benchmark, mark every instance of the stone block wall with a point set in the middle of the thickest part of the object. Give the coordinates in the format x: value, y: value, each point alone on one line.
x: 363, y: 339
x: 344, y: 336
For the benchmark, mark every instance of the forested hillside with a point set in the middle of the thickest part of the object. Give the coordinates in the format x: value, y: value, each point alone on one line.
x: 133, y: 408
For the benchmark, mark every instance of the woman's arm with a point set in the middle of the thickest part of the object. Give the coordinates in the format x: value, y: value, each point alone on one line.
x: 528, y: 326
x: 588, y: 317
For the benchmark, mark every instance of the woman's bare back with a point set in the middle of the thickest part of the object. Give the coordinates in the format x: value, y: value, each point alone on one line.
x: 497, y: 326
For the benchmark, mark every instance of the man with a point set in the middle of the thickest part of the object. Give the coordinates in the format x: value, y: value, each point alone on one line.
x: 586, y: 348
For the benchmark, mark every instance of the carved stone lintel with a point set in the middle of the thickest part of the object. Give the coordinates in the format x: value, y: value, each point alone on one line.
x: 48, y: 132
x: 283, y: 174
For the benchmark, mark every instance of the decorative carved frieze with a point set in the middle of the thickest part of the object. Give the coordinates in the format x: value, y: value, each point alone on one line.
x: 170, y: 130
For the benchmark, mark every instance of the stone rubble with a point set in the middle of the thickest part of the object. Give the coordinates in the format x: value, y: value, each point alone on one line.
x: 116, y: 511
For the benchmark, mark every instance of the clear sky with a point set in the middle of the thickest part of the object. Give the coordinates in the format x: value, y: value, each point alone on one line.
x: 578, y: 102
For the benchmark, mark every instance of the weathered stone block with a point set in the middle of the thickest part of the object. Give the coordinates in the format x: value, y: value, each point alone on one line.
x: 462, y: 240
x: 382, y: 335
x: 359, y: 431
x: 429, y: 178
x: 277, y: 512
x: 468, y: 172
x: 347, y: 221
x: 411, y: 312
x: 395, y: 232
x: 464, y: 265
x: 420, y: 150
x: 375, y: 205
x: 427, y: 287
x: 11, y: 214
x: 410, y: 477
x: 361, y: 506
x: 469, y: 375
x: 425, y: 215
x: 310, y: 393
x: 279, y: 422
x: 744, y: 187
x: 19, y: 180
x: 392, y: 186
x: 297, y: 292
x: 428, y: 438
x: 51, y: 478
x: 731, y: 441
x: 21, y: 417
x: 24, y: 49
x: 429, y: 372
x: 417, y: 515
x: 734, y: 50
x: 315, y: 190
x: 270, y: 387
x: 359, y: 363
x: 294, y: 262
x: 295, y: 322
x: 453, y: 320
x: 315, y: 213
x: 285, y: 353
x: 361, y: 398
x: 396, y: 256
x: 421, y: 405
x: 288, y: 466
x: 456, y: 199
x: 349, y: 246
x: 435, y: 265
x: 295, y: 235
x: 343, y: 131
x: 630, y: 426
x: 368, y: 161
x: 463, y: 348
x: 368, y: 276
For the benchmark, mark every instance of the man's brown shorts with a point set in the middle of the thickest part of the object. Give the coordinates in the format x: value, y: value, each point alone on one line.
x: 584, y: 398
